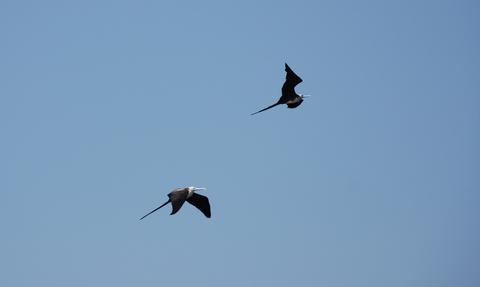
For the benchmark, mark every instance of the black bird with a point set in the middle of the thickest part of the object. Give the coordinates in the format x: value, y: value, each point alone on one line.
x: 289, y: 96
x: 178, y: 197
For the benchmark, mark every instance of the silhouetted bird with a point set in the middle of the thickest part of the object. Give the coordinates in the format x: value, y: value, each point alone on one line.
x: 289, y: 96
x: 178, y: 197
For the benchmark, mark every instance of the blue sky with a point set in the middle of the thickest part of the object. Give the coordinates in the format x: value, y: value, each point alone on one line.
x: 105, y: 106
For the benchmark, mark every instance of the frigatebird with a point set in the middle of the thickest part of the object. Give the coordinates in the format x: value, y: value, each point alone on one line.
x: 178, y: 197
x: 289, y: 96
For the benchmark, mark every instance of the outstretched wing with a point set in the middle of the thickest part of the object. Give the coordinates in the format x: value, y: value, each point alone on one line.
x: 201, y: 202
x: 177, y: 197
x: 291, y: 80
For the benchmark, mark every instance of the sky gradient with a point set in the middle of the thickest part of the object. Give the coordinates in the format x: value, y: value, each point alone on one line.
x: 106, y: 106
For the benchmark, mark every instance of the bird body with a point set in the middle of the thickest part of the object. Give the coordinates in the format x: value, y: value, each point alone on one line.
x: 295, y: 102
x: 178, y: 196
x: 289, y: 96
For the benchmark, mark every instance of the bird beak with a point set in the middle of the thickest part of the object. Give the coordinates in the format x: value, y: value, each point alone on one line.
x: 306, y: 96
x: 200, y: 188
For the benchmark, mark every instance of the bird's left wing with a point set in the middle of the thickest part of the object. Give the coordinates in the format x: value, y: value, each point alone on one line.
x: 201, y: 202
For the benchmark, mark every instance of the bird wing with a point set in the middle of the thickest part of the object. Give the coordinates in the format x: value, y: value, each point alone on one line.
x: 177, y: 197
x: 201, y: 202
x: 288, y: 88
x: 291, y: 78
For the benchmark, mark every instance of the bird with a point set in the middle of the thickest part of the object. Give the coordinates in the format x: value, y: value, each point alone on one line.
x: 178, y: 197
x: 289, y: 96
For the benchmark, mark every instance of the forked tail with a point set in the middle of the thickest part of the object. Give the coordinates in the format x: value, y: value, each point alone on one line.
x: 155, y: 209
x: 266, y: 108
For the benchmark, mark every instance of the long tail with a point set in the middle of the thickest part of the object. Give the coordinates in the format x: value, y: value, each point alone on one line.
x: 266, y: 108
x: 155, y: 209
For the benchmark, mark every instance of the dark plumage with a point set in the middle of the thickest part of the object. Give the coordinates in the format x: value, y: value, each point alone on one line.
x: 289, y: 96
x: 178, y: 197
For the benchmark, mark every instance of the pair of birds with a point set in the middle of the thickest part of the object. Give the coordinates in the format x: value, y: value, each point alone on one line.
x: 178, y: 196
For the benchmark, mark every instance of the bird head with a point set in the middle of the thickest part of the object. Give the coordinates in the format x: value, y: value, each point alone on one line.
x: 193, y: 188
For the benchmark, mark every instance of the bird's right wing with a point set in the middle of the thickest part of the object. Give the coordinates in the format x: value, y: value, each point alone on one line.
x: 201, y: 202
x: 177, y: 197
x: 291, y: 78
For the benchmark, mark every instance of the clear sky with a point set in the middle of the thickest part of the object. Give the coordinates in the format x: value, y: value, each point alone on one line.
x: 106, y: 106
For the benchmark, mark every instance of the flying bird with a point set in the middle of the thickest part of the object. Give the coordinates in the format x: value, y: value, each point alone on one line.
x: 178, y: 197
x: 289, y: 96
